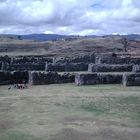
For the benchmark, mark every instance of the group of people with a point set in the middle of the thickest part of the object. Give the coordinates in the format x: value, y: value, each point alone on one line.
x: 21, y: 85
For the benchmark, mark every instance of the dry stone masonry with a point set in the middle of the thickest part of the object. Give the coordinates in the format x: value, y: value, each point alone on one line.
x: 136, y: 68
x: 45, y: 78
x: 117, y: 60
x: 97, y: 78
x: 90, y: 58
x: 131, y: 79
x: 96, y: 69
x: 110, y: 68
x: 14, y: 77
x: 64, y: 67
x: 31, y: 59
x: 23, y: 67
x: 0, y: 65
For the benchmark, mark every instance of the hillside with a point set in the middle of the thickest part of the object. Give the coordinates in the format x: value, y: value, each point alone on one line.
x: 50, y: 37
x: 68, y: 46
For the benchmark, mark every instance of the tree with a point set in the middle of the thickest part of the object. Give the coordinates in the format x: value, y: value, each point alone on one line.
x: 19, y: 37
x: 125, y: 43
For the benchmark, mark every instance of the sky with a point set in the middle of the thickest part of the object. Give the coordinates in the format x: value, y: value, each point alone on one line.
x: 70, y: 17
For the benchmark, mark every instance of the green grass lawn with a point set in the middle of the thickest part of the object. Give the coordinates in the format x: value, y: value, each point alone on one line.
x: 69, y: 112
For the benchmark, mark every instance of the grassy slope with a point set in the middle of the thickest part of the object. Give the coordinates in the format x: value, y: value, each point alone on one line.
x: 59, y: 112
x: 14, y: 46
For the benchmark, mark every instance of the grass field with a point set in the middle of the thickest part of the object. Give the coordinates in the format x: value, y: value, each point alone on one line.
x: 69, y: 112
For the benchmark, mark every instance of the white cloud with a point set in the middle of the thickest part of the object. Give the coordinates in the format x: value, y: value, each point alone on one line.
x: 70, y: 16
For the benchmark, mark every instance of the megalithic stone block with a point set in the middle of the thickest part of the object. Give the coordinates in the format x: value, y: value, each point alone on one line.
x: 94, y: 78
x: 66, y: 67
x: 45, y: 78
x: 136, y: 68
x: 132, y: 79
x: 13, y: 77
x: 109, y: 68
x: 117, y: 60
x: 86, y: 79
x: 26, y: 66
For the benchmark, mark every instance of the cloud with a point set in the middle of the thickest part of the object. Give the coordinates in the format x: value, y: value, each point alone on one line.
x: 70, y: 16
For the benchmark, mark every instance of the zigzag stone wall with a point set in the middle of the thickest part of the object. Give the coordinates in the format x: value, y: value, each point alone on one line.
x: 90, y: 58
x: 31, y: 59
x: 14, y: 77
x: 1, y: 65
x: 63, y: 67
x: 136, y: 68
x: 94, y: 78
x: 45, y: 78
x: 109, y: 67
x: 23, y: 67
x: 5, y: 59
x: 117, y: 60
x: 131, y: 79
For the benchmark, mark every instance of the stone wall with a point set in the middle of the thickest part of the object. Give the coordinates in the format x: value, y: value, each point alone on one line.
x: 117, y: 60
x: 5, y: 59
x: 94, y: 78
x: 109, y: 68
x: 136, y: 68
x: 31, y: 59
x: 45, y: 78
x: 20, y: 76
x: 86, y: 79
x: 110, y: 78
x: 66, y: 78
x: 90, y: 58
x: 23, y: 67
x: 5, y: 78
x: 63, y: 67
x: 131, y: 79
x: 14, y: 77
x: 1, y: 65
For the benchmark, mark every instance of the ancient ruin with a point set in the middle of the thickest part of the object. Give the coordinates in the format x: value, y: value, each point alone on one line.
x: 110, y: 68
x: 13, y: 77
x: 45, y: 78
x: 66, y: 67
x: 131, y: 79
x: 94, y: 78
x: 136, y: 68
x: 119, y: 60
x: 96, y: 69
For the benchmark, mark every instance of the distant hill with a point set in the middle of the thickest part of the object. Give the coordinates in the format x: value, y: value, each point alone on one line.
x: 132, y: 36
x: 44, y: 37
x: 55, y: 37
x: 40, y: 37
x: 56, y: 45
